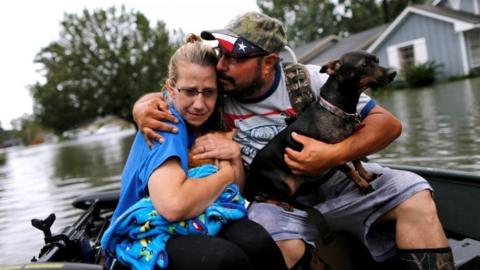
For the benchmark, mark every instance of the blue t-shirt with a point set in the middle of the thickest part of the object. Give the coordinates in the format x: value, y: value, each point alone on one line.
x: 143, y: 161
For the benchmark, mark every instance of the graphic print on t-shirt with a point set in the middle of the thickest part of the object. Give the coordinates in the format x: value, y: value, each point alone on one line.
x: 256, y: 131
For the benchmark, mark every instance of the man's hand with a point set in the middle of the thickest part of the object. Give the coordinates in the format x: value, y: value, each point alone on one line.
x: 216, y: 145
x: 150, y: 113
x: 381, y: 128
x: 221, y: 146
x: 315, y: 157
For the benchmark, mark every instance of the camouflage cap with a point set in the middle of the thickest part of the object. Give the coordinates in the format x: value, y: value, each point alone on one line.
x: 251, y: 28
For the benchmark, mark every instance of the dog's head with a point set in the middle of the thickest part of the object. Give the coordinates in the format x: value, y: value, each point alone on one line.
x: 360, y: 70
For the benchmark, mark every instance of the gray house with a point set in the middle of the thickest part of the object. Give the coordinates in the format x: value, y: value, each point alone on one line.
x: 447, y: 32
x: 438, y: 31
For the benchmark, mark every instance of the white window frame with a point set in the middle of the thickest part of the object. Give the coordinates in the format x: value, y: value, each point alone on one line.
x: 469, y: 49
x: 419, y: 49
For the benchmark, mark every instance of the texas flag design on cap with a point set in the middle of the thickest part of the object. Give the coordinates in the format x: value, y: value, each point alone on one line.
x: 238, y: 46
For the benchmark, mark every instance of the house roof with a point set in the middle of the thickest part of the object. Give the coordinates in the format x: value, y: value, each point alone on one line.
x: 461, y: 20
x: 455, y: 14
x: 355, y: 42
x: 309, y: 50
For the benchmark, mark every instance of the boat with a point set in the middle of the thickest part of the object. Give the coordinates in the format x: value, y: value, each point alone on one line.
x: 456, y: 193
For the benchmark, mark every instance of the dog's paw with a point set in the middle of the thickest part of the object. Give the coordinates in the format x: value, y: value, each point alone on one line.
x: 369, y: 189
x: 372, y: 176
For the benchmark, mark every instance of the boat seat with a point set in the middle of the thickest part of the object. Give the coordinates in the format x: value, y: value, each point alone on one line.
x: 103, y: 200
x: 466, y: 253
x: 346, y: 252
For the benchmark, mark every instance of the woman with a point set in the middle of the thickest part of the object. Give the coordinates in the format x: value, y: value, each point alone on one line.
x: 160, y: 173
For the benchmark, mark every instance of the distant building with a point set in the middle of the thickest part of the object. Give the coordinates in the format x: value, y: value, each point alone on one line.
x: 11, y: 142
x: 447, y: 32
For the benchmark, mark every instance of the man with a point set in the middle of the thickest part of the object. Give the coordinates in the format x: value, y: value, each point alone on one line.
x: 257, y: 105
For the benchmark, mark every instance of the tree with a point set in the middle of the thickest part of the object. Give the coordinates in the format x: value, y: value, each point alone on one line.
x: 308, y: 20
x: 28, y: 130
x: 395, y: 7
x: 304, y: 20
x: 102, y: 63
x: 361, y: 15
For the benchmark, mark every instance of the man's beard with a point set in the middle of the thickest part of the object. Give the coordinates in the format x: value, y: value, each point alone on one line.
x: 247, y: 90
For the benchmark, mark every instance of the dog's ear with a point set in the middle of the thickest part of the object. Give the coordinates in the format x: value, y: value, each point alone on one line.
x: 331, y: 67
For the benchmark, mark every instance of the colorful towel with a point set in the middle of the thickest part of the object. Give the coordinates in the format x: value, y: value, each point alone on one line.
x: 139, y: 236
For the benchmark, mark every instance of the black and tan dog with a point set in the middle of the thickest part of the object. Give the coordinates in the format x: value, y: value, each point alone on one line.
x: 330, y: 119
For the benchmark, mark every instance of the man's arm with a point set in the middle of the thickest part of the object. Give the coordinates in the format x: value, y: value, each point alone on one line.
x: 150, y: 112
x: 381, y: 129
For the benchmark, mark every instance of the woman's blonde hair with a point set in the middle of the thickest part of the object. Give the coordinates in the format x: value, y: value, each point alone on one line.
x: 193, y: 51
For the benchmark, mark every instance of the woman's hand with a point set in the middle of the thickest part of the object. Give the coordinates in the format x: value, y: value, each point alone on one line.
x: 150, y: 113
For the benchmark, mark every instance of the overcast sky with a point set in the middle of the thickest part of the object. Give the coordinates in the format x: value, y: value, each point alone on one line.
x: 27, y: 26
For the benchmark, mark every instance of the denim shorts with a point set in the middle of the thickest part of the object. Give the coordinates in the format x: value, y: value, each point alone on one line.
x: 346, y: 209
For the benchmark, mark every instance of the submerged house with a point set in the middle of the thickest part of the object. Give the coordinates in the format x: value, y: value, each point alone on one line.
x: 446, y: 32
x: 320, y: 52
x: 439, y: 32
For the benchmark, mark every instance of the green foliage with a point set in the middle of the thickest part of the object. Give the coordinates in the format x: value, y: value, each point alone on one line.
x: 474, y: 72
x: 4, y: 135
x: 102, y: 63
x: 421, y: 74
x: 392, y: 8
x: 308, y: 20
x: 362, y: 15
x: 305, y: 20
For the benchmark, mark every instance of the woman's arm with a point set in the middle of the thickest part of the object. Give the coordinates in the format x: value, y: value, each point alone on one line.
x: 177, y: 198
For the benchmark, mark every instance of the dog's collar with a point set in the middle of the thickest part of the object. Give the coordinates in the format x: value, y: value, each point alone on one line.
x: 339, y: 112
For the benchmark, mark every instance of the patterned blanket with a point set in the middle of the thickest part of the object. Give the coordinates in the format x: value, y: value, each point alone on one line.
x: 138, y: 237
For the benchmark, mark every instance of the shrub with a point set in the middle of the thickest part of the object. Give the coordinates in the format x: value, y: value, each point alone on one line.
x: 3, y: 158
x: 474, y: 72
x: 421, y: 74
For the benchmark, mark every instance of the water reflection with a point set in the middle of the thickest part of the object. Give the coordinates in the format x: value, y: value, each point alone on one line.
x: 440, y: 126
x: 36, y: 181
x: 441, y: 129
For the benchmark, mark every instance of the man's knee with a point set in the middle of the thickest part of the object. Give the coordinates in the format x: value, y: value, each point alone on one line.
x: 420, y: 207
x: 292, y: 250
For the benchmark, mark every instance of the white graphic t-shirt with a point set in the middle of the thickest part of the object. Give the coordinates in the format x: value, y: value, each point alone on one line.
x: 258, y: 121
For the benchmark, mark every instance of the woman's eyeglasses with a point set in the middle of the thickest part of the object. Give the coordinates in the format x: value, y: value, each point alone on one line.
x: 192, y: 92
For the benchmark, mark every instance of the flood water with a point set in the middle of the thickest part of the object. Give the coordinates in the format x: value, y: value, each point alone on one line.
x: 441, y: 128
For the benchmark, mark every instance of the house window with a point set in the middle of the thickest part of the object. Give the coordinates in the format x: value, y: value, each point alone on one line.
x: 473, y: 38
x: 410, y: 52
x: 406, y: 56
